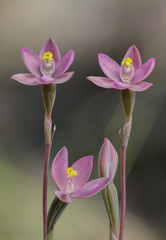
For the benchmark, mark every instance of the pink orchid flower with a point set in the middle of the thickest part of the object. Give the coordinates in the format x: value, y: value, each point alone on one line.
x: 71, y: 182
x: 129, y: 75
x: 46, y: 68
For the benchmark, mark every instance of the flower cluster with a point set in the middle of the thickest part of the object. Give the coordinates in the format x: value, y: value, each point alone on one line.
x: 49, y: 69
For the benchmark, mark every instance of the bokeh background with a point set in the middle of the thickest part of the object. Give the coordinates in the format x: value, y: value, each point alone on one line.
x: 84, y: 114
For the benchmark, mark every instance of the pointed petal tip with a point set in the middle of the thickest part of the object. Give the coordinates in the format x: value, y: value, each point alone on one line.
x: 100, y: 54
x: 64, y: 149
x: 153, y: 62
x: 72, y: 54
x: 106, y: 140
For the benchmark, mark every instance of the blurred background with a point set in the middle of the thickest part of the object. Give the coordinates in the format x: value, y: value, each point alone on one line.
x: 84, y: 114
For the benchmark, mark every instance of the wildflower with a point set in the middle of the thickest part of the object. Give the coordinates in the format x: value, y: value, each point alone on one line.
x: 71, y: 182
x: 129, y: 75
x: 46, y: 68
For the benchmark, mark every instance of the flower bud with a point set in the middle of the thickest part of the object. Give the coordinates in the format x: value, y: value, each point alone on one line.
x: 108, y: 160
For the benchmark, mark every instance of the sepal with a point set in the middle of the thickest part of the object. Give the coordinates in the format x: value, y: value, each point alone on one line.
x: 56, y: 209
x: 110, y: 197
x: 48, y: 94
x: 128, y: 101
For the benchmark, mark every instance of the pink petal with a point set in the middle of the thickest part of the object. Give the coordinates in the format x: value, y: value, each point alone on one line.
x: 140, y: 87
x: 63, y: 65
x: 144, y: 71
x: 63, y: 78
x: 59, y: 166
x: 86, y: 192
x: 63, y: 196
x: 109, y: 67
x: 120, y: 85
x: 27, y: 79
x: 108, y: 160
x: 91, y: 188
x: 107, y: 83
x: 50, y: 46
x: 83, y: 166
x: 31, y: 61
x: 134, y: 54
x: 101, y: 81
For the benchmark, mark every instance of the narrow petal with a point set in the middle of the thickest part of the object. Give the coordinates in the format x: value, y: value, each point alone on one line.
x: 31, y: 61
x: 109, y: 67
x: 50, y: 46
x: 107, y: 83
x: 83, y: 166
x: 144, y: 71
x: 85, y: 192
x: 91, y: 188
x: 134, y: 54
x: 120, y: 85
x: 63, y: 196
x: 59, y: 166
x: 63, y: 65
x: 101, y: 81
x: 108, y: 160
x: 27, y: 79
x: 63, y: 78
x: 140, y: 87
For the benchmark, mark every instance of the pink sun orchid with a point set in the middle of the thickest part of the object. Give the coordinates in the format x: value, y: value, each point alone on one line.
x: 129, y: 75
x: 46, y: 68
x: 71, y: 182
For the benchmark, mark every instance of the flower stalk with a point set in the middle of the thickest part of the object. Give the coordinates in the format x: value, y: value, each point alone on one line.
x: 128, y: 101
x: 48, y: 94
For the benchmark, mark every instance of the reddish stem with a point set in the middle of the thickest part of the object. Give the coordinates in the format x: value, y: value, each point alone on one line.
x: 123, y: 190
x: 45, y: 179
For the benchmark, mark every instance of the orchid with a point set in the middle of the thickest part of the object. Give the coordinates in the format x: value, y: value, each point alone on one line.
x: 71, y: 182
x: 46, y: 68
x: 129, y: 75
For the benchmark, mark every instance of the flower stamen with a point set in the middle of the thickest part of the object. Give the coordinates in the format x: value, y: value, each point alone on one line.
x: 48, y: 57
x: 70, y: 179
x: 126, y: 72
x: 48, y: 65
x: 127, y: 62
x: 71, y: 172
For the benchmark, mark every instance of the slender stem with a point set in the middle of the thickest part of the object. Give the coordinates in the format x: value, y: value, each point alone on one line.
x: 45, y: 179
x: 123, y: 190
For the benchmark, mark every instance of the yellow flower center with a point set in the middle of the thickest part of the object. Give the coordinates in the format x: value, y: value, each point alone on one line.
x: 127, y: 62
x: 71, y: 172
x: 48, y: 57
